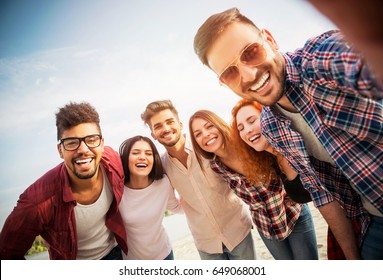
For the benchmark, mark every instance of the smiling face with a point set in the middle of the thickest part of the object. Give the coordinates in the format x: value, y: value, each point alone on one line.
x: 248, y: 125
x: 140, y: 159
x: 263, y: 83
x: 82, y: 163
x: 206, y: 135
x: 166, y: 128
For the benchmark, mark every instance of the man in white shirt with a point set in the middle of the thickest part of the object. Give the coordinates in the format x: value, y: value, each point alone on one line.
x: 218, y: 220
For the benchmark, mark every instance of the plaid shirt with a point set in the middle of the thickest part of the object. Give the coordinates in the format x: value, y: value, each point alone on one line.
x: 324, y: 181
x: 333, y: 90
x: 273, y: 213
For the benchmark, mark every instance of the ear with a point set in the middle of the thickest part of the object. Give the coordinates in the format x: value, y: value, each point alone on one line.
x: 60, y: 151
x: 102, y: 144
x: 269, y: 39
x: 153, y: 135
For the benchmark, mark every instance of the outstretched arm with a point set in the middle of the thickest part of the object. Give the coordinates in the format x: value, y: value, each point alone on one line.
x: 342, y: 229
x: 361, y: 22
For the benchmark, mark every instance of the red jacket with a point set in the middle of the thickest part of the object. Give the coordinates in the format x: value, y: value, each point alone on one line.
x: 46, y: 208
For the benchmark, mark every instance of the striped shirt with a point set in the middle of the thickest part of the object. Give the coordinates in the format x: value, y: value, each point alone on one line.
x: 273, y: 212
x: 331, y: 87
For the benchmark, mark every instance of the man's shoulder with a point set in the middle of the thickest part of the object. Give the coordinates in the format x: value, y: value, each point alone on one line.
x: 110, y: 156
x: 164, y: 157
x: 326, y: 40
x: 332, y: 41
x: 109, y: 152
x: 48, y: 184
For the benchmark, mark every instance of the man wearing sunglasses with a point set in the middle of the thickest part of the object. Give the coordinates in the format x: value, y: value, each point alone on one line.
x: 323, y: 93
x: 74, y: 206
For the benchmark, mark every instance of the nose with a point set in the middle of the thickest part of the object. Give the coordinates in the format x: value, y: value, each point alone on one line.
x: 205, y: 133
x: 141, y: 156
x: 166, y: 128
x: 247, y: 72
x: 82, y: 147
x: 247, y: 129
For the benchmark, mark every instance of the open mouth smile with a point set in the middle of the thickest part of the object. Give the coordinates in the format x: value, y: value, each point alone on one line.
x: 254, y: 138
x: 262, y: 83
x: 83, y: 161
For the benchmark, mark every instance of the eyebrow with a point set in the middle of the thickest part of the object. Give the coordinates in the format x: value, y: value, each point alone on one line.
x: 159, y: 123
x: 197, y: 130
x: 139, y: 150
x: 246, y: 120
x: 205, y: 124
x: 236, y: 58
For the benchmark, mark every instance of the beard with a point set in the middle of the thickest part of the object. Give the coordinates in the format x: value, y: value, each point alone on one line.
x: 275, y: 88
x: 170, y: 143
x: 86, y: 175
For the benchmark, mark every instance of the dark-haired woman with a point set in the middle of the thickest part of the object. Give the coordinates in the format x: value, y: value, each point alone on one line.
x: 148, y: 193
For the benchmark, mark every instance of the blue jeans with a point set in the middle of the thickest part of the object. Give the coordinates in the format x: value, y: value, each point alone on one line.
x: 170, y: 257
x: 301, y: 244
x: 372, y: 246
x: 244, y: 251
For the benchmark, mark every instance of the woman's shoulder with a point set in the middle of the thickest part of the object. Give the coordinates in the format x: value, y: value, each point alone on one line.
x: 164, y: 181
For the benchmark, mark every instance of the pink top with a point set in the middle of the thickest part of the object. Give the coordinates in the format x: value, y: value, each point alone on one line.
x: 142, y: 211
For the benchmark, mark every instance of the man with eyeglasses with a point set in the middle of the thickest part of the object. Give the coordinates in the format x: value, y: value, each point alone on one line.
x: 74, y: 206
x: 324, y: 94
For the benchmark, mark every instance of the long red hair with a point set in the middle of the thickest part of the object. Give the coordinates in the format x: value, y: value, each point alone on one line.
x: 266, y: 169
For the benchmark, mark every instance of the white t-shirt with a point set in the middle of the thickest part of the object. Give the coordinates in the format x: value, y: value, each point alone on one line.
x: 142, y: 212
x: 95, y: 240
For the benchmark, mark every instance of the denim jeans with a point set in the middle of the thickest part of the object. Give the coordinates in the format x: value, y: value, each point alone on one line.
x: 114, y: 254
x: 301, y: 244
x: 244, y: 251
x: 170, y: 257
x: 372, y: 246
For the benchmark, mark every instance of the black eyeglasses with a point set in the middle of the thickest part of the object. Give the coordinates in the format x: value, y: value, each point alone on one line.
x: 73, y: 143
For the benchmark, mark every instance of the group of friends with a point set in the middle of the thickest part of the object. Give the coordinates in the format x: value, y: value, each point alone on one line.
x: 309, y: 128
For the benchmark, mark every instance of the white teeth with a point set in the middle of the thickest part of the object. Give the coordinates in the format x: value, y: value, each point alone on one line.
x: 252, y: 139
x: 141, y: 165
x: 210, y: 142
x: 261, y: 82
x: 81, y: 161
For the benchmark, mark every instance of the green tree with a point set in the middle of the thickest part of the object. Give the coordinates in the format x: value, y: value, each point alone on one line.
x: 38, y: 246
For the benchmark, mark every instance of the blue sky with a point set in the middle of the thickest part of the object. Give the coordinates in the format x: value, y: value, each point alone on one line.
x: 119, y: 56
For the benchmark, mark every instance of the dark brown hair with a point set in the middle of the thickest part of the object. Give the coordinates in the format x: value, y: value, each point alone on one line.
x: 157, y: 171
x: 74, y: 114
